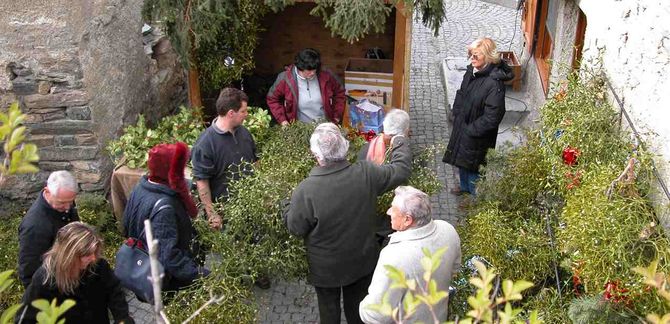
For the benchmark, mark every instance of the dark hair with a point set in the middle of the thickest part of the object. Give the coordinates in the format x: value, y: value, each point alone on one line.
x: 230, y: 99
x: 308, y: 59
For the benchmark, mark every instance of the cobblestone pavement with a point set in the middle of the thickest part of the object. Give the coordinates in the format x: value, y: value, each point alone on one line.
x: 466, y: 20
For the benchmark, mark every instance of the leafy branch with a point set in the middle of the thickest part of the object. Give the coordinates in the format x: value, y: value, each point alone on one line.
x: 658, y: 280
x: 19, y: 157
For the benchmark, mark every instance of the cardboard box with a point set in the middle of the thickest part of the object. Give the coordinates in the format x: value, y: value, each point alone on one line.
x: 370, y: 79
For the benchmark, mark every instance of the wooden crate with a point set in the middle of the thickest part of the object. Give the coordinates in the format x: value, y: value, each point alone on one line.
x: 511, y: 60
x: 370, y: 79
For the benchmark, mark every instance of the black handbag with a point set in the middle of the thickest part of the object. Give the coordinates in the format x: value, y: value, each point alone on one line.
x: 133, y: 267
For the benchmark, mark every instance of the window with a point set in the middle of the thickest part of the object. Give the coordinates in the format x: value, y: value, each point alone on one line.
x: 539, y: 24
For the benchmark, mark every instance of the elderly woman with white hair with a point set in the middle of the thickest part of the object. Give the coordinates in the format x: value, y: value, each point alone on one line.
x: 396, y: 123
x: 334, y: 209
x: 411, y: 218
x: 479, y: 107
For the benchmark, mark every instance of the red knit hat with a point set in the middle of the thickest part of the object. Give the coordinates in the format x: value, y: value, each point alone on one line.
x: 166, y: 166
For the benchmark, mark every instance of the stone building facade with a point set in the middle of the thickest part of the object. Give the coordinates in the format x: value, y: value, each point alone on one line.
x: 80, y: 73
x: 629, y: 39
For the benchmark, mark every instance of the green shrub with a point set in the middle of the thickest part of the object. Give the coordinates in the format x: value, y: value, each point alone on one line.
x: 9, y: 255
x: 594, y: 309
x: 602, y: 229
x: 95, y: 210
x: 552, y: 308
x: 255, y: 240
x: 516, y: 247
x: 514, y: 177
x: 132, y: 148
x: 608, y: 237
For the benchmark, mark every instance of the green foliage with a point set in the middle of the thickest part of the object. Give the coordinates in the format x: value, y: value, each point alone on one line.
x: 515, y: 177
x: 350, y: 20
x: 230, y: 278
x: 258, y: 122
x: 517, y: 247
x: 552, y: 308
x: 50, y: 312
x: 18, y: 157
x: 255, y: 240
x: 423, y: 177
x: 659, y: 281
x: 132, y: 148
x: 95, y: 210
x: 207, y: 34
x: 602, y: 227
x: 610, y: 240
x: 9, y: 247
x: 596, y: 310
x: 483, y: 305
x: 6, y: 282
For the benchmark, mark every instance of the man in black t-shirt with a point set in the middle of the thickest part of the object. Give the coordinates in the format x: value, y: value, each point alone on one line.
x: 220, y: 150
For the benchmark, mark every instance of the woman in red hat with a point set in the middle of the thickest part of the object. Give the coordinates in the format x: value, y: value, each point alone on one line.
x: 171, y: 226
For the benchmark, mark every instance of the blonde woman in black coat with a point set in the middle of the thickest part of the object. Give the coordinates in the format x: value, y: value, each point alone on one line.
x: 478, y: 109
x: 73, y: 269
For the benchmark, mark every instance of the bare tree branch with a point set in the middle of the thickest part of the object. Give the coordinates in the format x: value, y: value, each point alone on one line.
x: 212, y: 300
x: 156, y: 277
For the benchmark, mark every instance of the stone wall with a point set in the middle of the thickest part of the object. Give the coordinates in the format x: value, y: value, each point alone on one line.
x: 79, y: 71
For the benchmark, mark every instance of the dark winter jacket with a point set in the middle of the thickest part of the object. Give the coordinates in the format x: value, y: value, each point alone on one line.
x: 37, y: 233
x: 478, y: 109
x: 283, y: 96
x: 171, y: 227
x: 334, y: 210
x: 98, y: 292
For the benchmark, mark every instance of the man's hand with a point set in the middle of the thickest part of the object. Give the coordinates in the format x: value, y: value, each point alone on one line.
x: 215, y: 221
x: 284, y: 123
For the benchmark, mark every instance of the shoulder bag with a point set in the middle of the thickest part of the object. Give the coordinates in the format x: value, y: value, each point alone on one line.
x: 133, y: 267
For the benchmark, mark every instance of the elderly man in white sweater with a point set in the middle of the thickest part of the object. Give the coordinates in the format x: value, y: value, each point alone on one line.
x: 411, y: 218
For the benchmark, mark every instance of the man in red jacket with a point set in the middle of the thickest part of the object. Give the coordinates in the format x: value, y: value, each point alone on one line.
x: 305, y: 92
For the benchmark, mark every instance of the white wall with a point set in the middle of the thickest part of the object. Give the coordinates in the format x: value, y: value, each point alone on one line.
x: 633, y: 40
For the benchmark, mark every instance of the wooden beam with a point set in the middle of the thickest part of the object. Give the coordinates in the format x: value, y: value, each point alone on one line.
x: 400, y: 56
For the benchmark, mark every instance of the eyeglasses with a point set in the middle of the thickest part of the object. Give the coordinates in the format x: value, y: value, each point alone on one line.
x: 475, y: 56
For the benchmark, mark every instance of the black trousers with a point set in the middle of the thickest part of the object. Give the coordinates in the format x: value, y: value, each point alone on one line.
x: 352, y: 294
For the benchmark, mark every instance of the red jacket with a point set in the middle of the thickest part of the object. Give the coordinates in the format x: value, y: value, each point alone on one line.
x: 283, y: 96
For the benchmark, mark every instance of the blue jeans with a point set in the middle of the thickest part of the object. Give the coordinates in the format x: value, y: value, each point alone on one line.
x: 468, y: 179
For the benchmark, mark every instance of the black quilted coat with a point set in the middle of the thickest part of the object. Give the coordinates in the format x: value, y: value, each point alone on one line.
x: 478, y: 109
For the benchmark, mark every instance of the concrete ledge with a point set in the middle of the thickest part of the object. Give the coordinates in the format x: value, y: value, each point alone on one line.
x: 505, y: 3
x: 452, y: 70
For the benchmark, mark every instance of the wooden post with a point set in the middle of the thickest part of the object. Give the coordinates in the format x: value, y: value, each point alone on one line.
x: 401, y: 56
x: 156, y: 277
x: 194, y: 98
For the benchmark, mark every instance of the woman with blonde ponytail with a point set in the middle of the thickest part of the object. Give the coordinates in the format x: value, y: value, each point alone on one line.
x: 73, y: 269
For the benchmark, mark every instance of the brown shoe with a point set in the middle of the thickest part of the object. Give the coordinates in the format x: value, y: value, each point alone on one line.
x: 456, y: 191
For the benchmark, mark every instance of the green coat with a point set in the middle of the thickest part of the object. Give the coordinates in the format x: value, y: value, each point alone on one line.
x: 334, y: 208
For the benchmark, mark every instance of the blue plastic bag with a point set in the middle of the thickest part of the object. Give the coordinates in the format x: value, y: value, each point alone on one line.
x: 366, y: 115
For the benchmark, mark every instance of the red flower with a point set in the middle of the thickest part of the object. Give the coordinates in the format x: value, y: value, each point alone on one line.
x: 570, y: 155
x: 616, y: 294
x: 369, y: 135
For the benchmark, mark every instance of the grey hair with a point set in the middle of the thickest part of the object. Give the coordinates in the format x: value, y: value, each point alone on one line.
x: 413, y: 202
x: 328, y: 144
x: 396, y: 122
x: 62, y: 180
